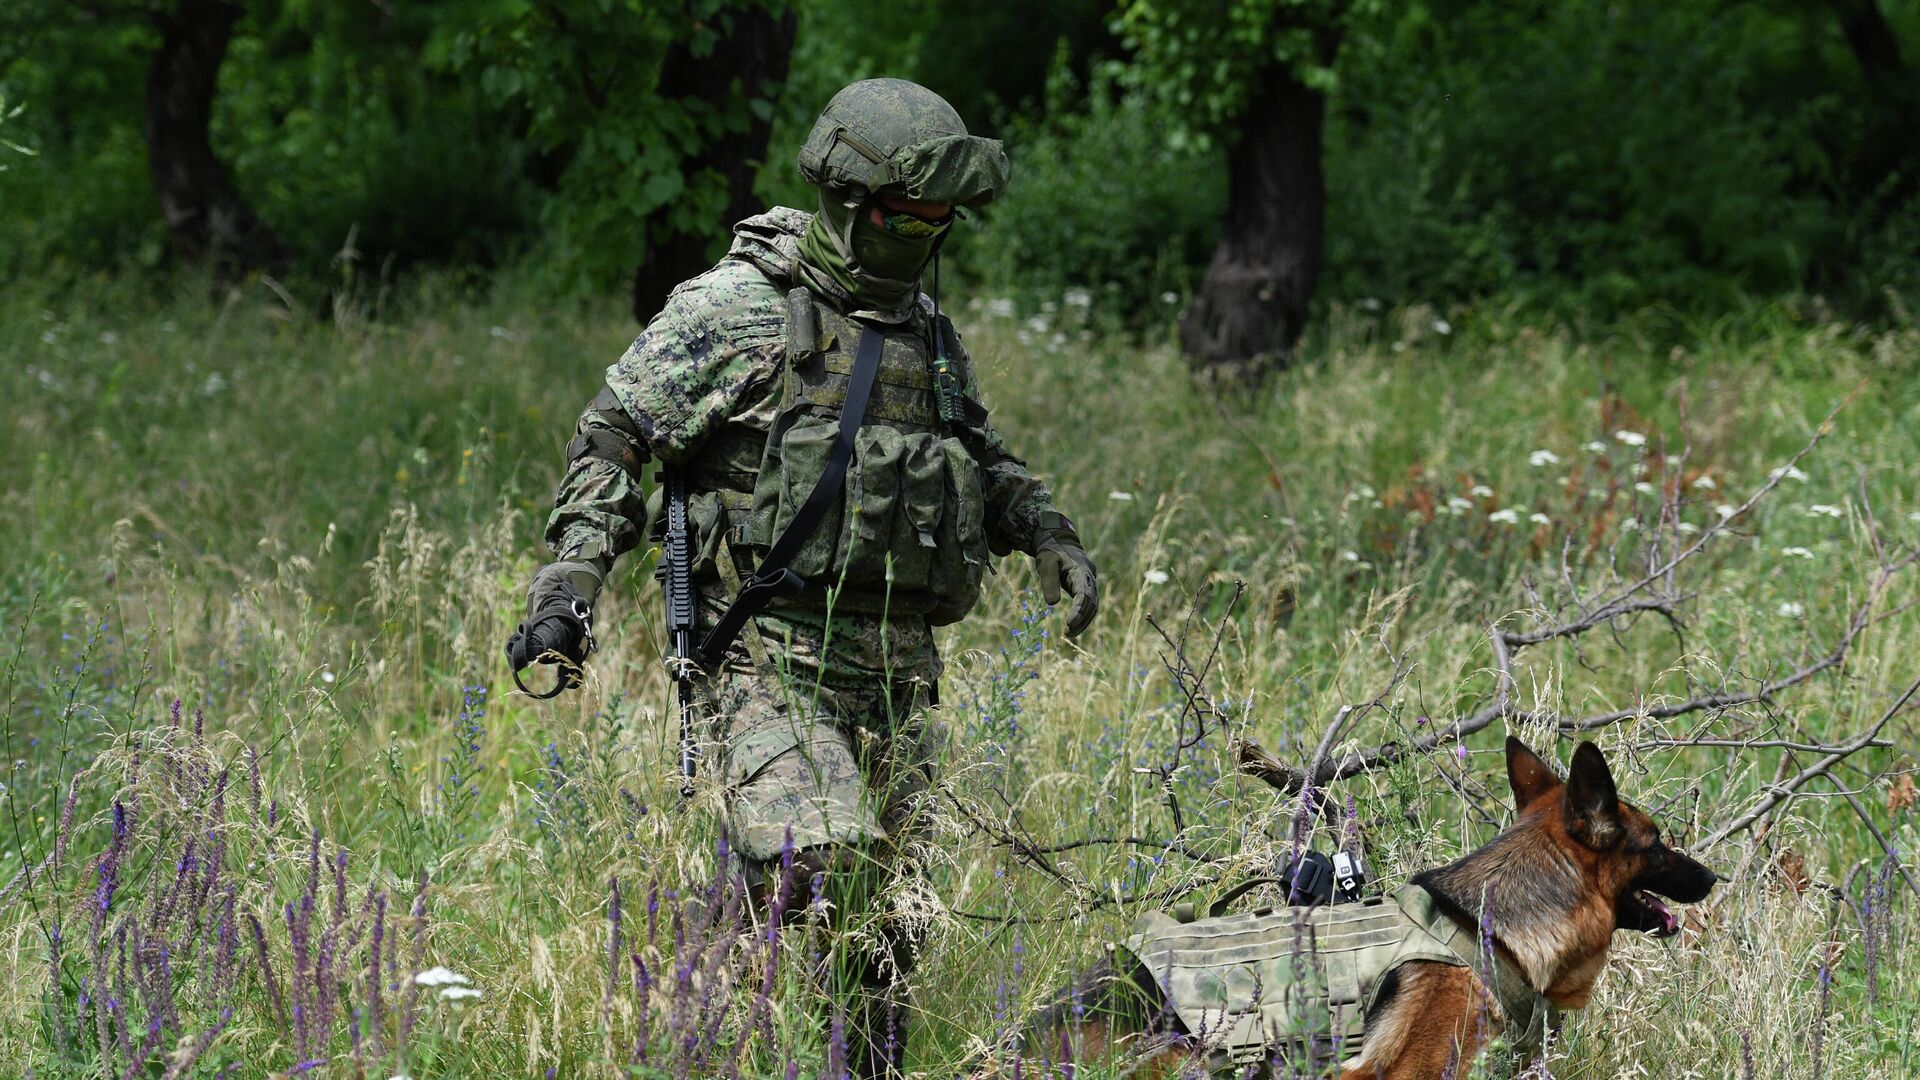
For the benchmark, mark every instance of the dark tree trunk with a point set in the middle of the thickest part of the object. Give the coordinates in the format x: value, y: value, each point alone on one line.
x: 1252, y: 304
x: 1868, y: 35
x: 751, y: 59
x: 205, y: 216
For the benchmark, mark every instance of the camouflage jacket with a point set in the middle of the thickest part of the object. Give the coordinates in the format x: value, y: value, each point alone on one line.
x: 709, y: 362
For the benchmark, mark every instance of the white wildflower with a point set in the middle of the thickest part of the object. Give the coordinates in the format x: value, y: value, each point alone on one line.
x: 1080, y: 298
x: 1169, y: 297
x: 459, y: 993
x: 215, y: 383
x: 1480, y: 491
x: 1788, y: 471
x: 1350, y: 556
x: 1156, y: 577
x: 1370, y: 303
x: 1630, y: 525
x: 1442, y: 327
x: 108, y: 337
x: 48, y: 337
x: 1823, y: 510
x: 1644, y: 488
x: 1119, y: 496
x: 1459, y: 505
x: 1595, y: 447
x: 326, y: 676
x: 439, y: 976
x: 1539, y: 519
x: 1704, y: 483
x: 1506, y: 515
x: 1797, y: 552
x: 500, y: 332
x: 1726, y: 510
x: 1630, y: 438
x: 1687, y: 528
x: 1540, y: 459
x: 1039, y: 325
x: 1914, y: 517
x: 1791, y: 610
x: 1000, y: 307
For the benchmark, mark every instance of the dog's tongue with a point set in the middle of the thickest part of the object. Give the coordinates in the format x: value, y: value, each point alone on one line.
x: 1669, y: 924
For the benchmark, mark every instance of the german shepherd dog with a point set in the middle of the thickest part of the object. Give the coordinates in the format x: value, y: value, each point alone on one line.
x: 1577, y: 864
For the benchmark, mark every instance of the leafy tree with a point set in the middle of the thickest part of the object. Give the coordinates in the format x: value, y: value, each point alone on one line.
x: 1254, y: 75
x: 647, y: 119
x: 205, y: 215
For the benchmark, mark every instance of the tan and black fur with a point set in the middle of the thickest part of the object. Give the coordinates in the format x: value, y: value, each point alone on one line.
x: 1577, y: 864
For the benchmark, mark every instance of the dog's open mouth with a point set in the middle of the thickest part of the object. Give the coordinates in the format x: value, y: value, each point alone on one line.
x: 1651, y: 913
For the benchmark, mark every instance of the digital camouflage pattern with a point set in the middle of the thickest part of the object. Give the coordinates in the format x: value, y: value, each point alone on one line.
x: 702, y: 379
x: 841, y: 767
x: 817, y: 721
x: 901, y: 136
x: 1252, y: 983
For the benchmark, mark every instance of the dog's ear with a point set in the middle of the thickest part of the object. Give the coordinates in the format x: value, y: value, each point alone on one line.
x: 1593, y: 803
x: 1530, y: 776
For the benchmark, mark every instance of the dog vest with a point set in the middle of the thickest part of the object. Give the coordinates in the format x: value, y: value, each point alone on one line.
x: 1273, y: 981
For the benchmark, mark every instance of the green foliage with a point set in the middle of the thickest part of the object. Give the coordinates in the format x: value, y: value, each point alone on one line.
x: 331, y: 125
x: 1098, y: 201
x: 582, y: 77
x: 1623, y: 153
x: 1206, y: 58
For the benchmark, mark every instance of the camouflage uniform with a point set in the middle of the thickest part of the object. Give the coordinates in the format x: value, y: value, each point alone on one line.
x: 705, y: 372
x: 817, y: 720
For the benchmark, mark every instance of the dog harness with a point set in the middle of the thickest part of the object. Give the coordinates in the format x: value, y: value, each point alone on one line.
x: 1292, y: 983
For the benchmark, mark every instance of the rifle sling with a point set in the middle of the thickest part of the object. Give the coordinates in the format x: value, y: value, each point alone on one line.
x: 772, y: 579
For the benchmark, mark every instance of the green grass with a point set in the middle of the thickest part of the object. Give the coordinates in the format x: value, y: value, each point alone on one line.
x: 314, y: 528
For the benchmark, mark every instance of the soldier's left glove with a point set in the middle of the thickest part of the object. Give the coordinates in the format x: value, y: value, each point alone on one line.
x: 1063, y: 565
x: 559, y: 625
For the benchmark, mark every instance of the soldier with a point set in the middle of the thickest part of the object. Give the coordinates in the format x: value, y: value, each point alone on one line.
x: 815, y: 713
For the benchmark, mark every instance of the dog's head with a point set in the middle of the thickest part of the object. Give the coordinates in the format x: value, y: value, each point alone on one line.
x: 1620, y: 844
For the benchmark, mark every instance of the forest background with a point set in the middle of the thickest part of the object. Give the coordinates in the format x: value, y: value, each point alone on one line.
x: 1514, y: 322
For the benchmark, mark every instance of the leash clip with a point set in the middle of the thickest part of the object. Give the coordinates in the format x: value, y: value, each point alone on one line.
x: 585, y: 614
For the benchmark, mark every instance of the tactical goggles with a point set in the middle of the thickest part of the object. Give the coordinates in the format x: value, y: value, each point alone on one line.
x: 913, y: 226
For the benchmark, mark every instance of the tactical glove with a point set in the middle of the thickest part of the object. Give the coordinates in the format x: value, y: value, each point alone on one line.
x: 1062, y: 562
x: 559, y: 625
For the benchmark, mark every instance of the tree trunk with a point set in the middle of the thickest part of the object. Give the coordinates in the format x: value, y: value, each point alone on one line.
x: 749, y: 60
x: 204, y: 215
x: 1252, y: 304
x: 1868, y: 35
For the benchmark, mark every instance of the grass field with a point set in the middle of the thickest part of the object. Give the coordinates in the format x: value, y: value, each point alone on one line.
x: 257, y: 560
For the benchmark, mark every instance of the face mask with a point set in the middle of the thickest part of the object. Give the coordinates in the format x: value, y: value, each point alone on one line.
x: 879, y: 265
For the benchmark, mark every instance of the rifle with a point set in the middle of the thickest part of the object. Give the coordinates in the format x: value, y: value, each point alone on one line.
x: 676, y: 585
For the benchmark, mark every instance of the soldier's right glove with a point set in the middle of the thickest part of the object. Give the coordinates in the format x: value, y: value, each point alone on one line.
x: 559, y: 625
x: 1063, y: 563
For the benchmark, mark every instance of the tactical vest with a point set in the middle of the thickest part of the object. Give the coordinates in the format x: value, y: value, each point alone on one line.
x: 908, y: 536
x: 1248, y: 985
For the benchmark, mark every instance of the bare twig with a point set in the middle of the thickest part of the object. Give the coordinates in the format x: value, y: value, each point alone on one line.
x: 1748, y: 744
x: 1779, y: 793
x: 1893, y: 855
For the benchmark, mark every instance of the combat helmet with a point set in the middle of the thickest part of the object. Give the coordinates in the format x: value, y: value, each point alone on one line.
x: 897, y: 135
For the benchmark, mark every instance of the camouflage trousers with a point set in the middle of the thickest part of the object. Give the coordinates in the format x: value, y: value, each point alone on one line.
x: 821, y: 767
x: 836, y: 781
